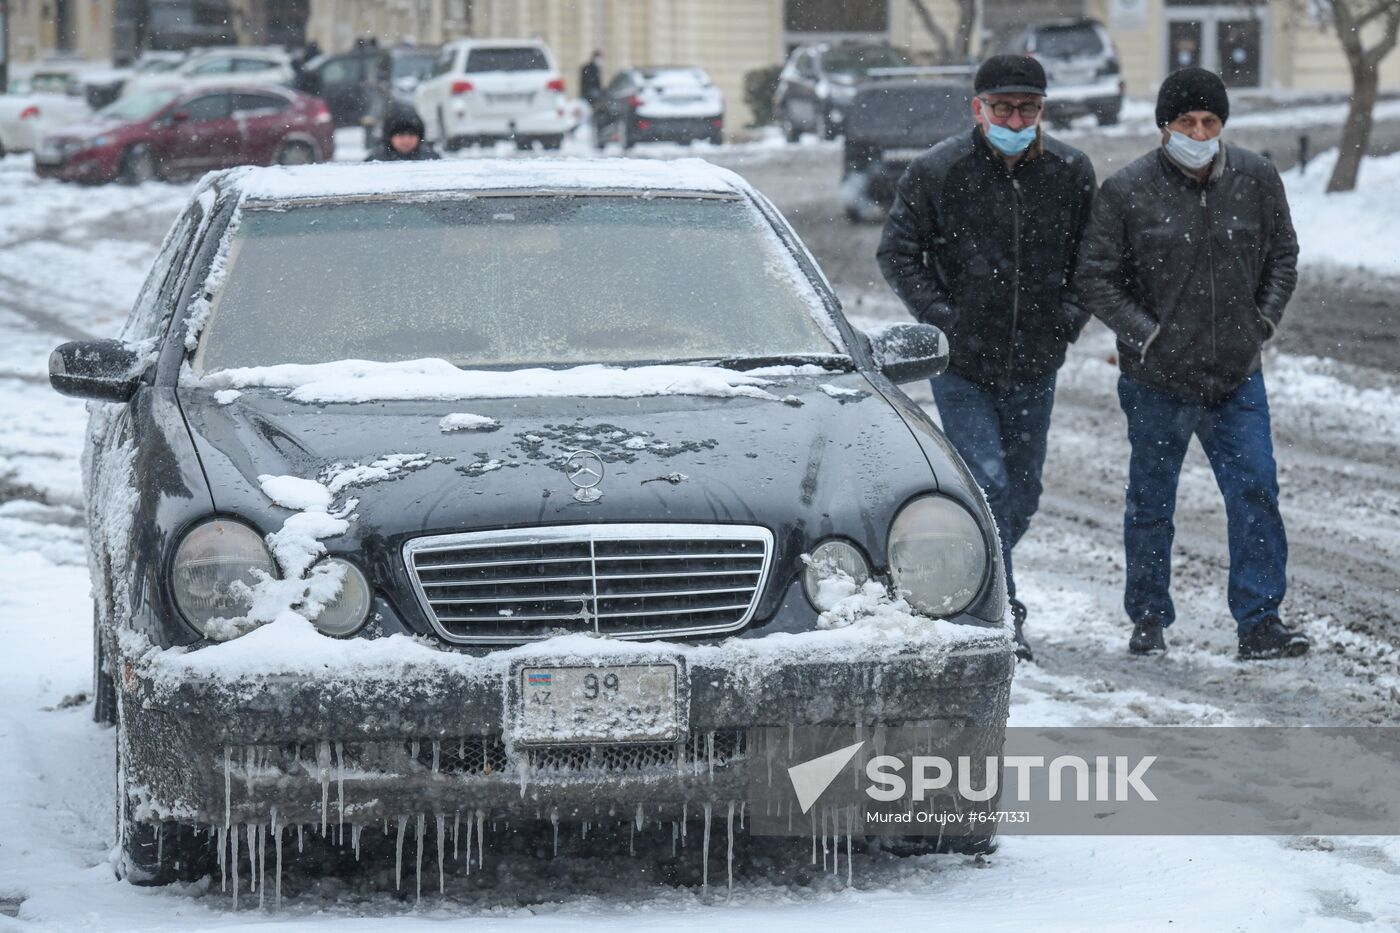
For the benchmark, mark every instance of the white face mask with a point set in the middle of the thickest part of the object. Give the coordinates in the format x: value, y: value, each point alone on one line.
x: 1191, y: 153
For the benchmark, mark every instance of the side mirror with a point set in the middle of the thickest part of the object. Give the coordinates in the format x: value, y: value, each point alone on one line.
x: 102, y: 370
x: 910, y: 352
x: 180, y: 116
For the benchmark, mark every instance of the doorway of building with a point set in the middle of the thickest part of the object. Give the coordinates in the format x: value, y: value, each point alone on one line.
x: 1228, y: 39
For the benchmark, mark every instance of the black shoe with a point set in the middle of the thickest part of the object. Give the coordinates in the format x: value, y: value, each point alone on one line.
x: 1271, y: 639
x: 1018, y: 613
x: 1148, y: 638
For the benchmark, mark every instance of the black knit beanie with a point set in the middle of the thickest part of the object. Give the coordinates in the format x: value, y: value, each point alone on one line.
x: 1192, y: 89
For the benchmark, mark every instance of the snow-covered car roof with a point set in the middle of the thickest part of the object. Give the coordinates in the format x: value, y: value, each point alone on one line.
x: 366, y: 179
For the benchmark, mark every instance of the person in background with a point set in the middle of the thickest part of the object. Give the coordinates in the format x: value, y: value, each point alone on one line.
x: 982, y: 241
x: 1190, y: 260
x: 403, y: 139
x: 590, y: 83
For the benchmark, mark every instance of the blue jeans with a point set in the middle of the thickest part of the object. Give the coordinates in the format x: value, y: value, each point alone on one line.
x: 1235, y: 435
x: 1001, y: 437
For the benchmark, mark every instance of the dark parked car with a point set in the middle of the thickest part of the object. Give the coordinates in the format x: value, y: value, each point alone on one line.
x: 540, y: 538
x: 356, y: 84
x: 677, y: 105
x: 393, y: 81
x: 818, y: 84
x: 890, y: 123
x: 159, y: 134
x: 1083, y: 74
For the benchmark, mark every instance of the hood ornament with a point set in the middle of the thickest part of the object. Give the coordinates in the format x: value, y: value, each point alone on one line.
x: 585, y: 470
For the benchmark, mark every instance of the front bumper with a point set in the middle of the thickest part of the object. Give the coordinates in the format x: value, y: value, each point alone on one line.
x: 83, y: 165
x: 361, y: 748
x: 548, y: 121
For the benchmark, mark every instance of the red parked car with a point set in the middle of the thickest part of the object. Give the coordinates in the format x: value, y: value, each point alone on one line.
x: 165, y: 133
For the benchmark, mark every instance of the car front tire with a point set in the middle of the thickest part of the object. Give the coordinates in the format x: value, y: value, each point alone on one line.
x: 139, y: 165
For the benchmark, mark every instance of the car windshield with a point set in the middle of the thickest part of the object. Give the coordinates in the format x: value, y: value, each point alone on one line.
x: 522, y: 59
x: 137, y: 106
x: 413, y: 66
x: 1068, y: 42
x: 510, y: 282
x: 859, y: 59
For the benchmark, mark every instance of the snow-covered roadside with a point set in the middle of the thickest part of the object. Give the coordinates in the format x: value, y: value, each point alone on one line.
x: 55, y: 782
x: 1354, y: 229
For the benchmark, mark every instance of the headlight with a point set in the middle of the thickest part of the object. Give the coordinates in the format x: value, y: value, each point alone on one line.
x: 215, y: 565
x: 938, y: 556
x: 843, y: 92
x: 820, y: 580
x: 345, y: 615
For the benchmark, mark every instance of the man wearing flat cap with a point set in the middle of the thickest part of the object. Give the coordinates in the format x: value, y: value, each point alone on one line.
x: 982, y: 242
x: 1190, y: 259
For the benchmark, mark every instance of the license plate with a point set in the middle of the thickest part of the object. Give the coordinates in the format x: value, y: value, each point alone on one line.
x: 508, y: 98
x: 682, y: 100
x: 1070, y: 76
x: 598, y: 705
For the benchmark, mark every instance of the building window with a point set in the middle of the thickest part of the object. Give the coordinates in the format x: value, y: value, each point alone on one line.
x: 828, y: 16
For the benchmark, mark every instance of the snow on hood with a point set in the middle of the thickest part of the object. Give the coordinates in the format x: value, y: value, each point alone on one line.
x: 436, y: 379
x: 276, y: 183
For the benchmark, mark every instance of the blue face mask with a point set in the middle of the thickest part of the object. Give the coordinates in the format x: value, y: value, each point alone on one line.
x: 1010, y: 142
x: 1191, y: 153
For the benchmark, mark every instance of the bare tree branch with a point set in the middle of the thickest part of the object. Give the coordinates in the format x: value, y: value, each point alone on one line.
x: 940, y: 37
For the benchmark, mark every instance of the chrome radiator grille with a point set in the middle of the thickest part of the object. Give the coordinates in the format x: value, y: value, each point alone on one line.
x: 625, y: 580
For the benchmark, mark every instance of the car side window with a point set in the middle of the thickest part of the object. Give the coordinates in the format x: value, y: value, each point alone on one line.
x: 806, y: 66
x: 336, y: 71
x: 258, y: 103
x: 252, y: 64
x: 444, y: 62
x: 207, y: 107
x: 149, y: 312
x: 217, y: 66
x: 620, y: 83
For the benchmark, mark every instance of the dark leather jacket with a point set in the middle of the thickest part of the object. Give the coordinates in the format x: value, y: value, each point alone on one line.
x: 988, y: 255
x: 1192, y: 277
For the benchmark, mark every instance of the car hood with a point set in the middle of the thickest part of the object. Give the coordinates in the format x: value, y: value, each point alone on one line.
x: 833, y: 446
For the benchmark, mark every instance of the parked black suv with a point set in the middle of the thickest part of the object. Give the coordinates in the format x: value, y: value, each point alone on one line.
x: 882, y: 138
x: 818, y: 84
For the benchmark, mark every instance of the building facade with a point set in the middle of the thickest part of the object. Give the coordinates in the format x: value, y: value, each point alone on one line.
x: 1265, y: 44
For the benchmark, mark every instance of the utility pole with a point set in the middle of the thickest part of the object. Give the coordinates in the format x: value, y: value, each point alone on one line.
x: 4, y: 46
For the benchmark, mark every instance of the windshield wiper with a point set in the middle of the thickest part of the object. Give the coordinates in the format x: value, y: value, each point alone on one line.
x: 829, y: 361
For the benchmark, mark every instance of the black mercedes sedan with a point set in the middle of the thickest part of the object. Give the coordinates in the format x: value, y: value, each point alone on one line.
x: 431, y: 496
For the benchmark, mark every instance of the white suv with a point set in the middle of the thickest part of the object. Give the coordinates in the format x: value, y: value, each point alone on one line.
x: 484, y: 90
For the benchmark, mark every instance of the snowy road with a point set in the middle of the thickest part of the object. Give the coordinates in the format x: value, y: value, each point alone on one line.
x: 71, y: 260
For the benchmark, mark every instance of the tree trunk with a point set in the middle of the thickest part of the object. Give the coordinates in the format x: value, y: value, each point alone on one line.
x: 962, y: 36
x: 1356, y: 132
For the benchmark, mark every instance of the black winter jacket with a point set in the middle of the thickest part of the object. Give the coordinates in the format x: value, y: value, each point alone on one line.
x: 1191, y: 277
x: 988, y: 255
x: 387, y: 153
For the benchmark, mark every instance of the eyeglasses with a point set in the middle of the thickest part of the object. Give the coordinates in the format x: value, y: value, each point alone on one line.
x: 1001, y: 109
